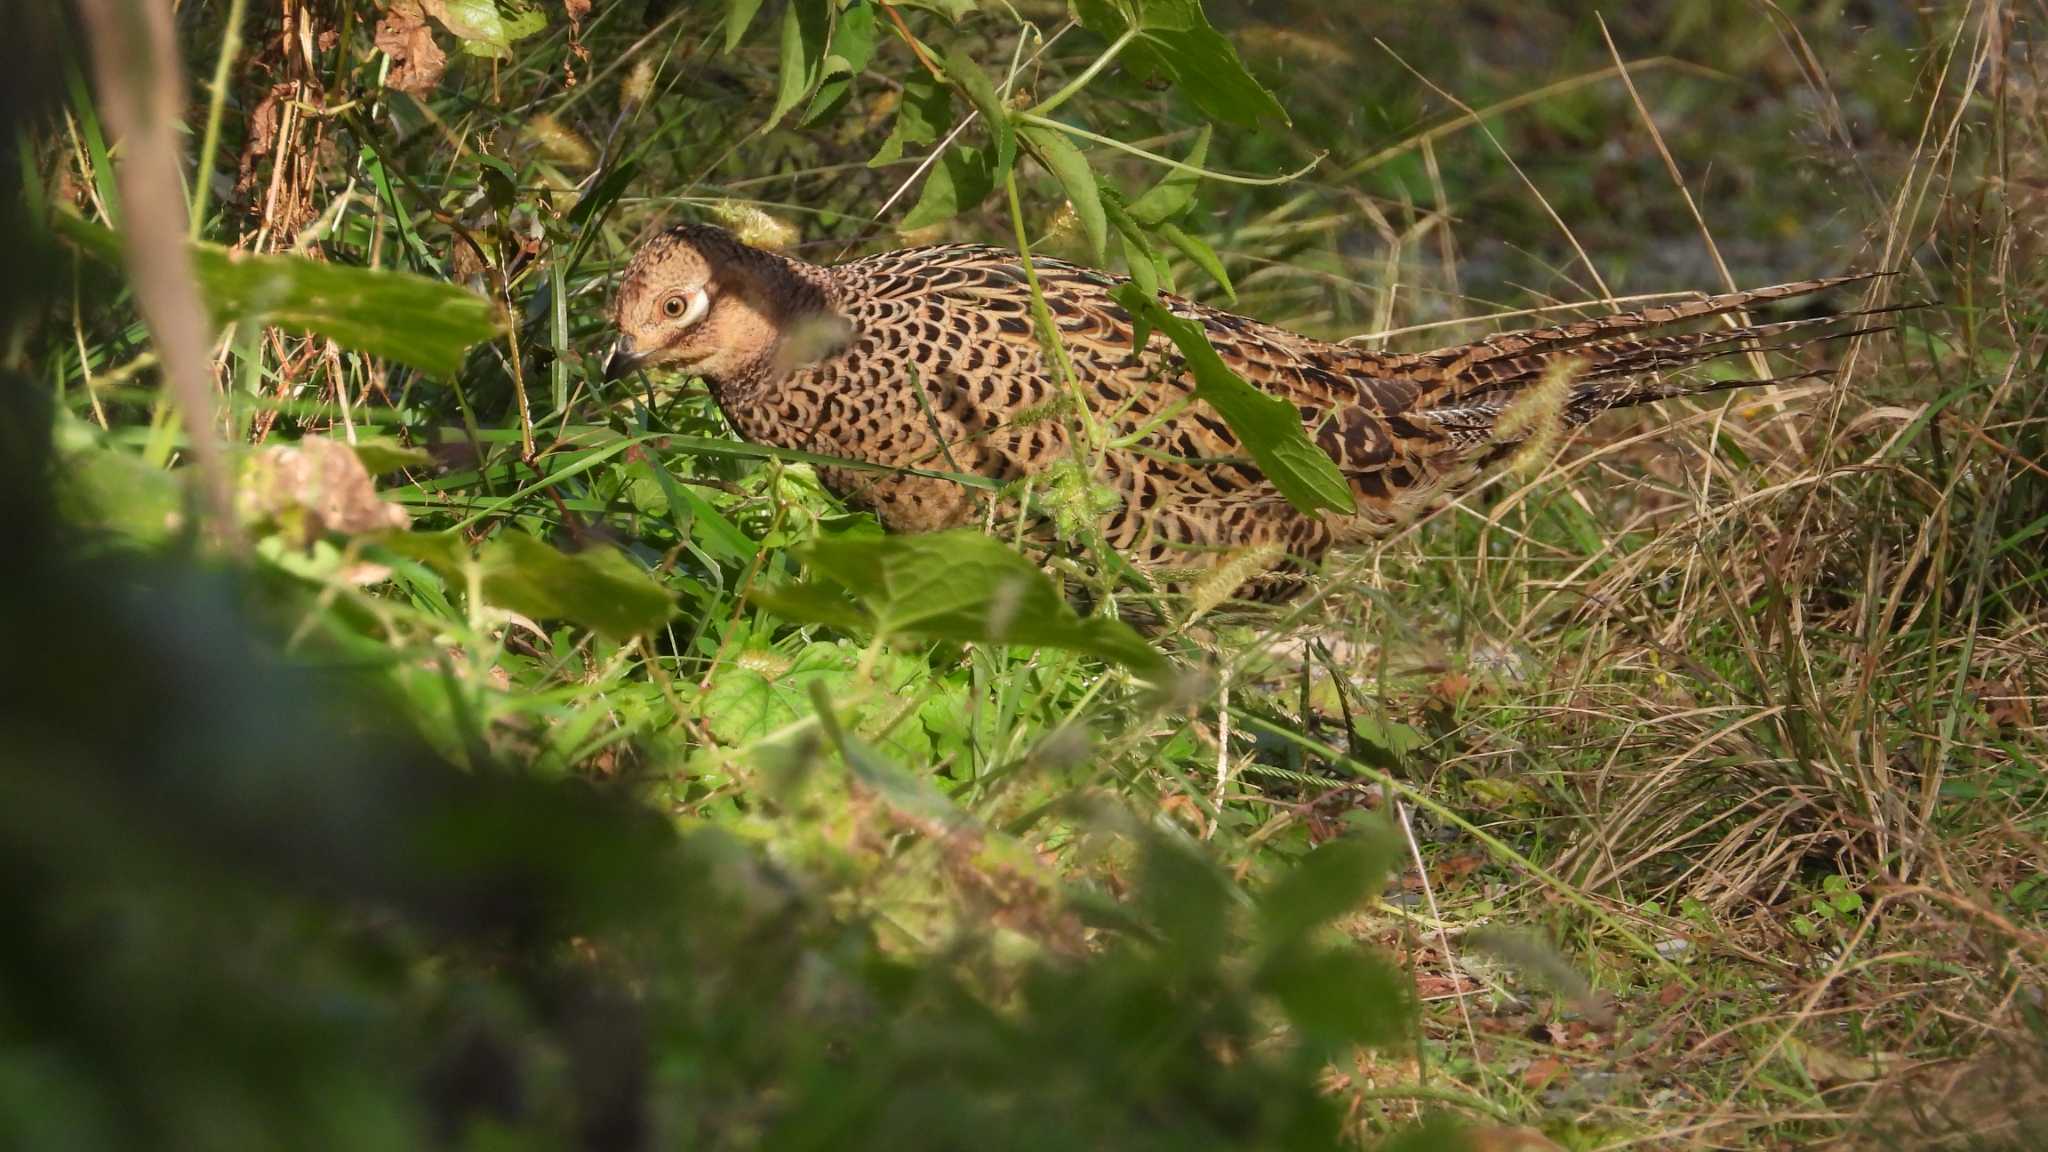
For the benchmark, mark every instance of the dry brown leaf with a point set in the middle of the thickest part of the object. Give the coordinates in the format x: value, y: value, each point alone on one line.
x: 314, y: 487
x: 416, y: 61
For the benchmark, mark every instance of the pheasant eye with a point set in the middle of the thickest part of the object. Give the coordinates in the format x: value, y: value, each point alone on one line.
x: 672, y: 307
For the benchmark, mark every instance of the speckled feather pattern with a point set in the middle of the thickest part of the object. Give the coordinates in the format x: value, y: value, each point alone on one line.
x: 934, y: 362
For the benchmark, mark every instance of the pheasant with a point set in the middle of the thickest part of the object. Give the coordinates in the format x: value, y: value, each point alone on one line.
x: 928, y: 361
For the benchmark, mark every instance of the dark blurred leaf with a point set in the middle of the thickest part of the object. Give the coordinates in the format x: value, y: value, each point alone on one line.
x: 1066, y: 162
x: 599, y: 587
x: 1334, y: 879
x: 960, y: 586
x: 1269, y: 427
x: 1186, y: 899
x: 1339, y: 995
x: 1177, y: 43
x: 411, y: 319
x: 962, y: 70
x: 960, y: 180
x: 925, y: 111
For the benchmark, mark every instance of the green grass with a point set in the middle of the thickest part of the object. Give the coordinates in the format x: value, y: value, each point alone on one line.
x: 1734, y: 710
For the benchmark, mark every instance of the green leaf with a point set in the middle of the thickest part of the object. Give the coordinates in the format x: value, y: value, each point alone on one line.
x: 485, y: 28
x: 1187, y: 900
x: 926, y: 111
x: 599, y: 588
x: 1205, y: 258
x: 960, y: 586
x: 411, y: 319
x: 1334, y: 879
x: 853, y: 45
x: 803, y: 47
x: 381, y: 454
x: 963, y: 71
x: 738, y: 15
x: 960, y: 180
x: 1175, y: 192
x: 1065, y: 161
x: 1178, y: 44
x: 1270, y: 428
x: 1339, y: 996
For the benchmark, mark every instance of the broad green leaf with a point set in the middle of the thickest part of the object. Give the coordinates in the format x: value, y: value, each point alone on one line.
x: 1270, y: 428
x: 113, y: 490
x: 1175, y: 193
x: 959, y: 181
x: 853, y: 44
x: 1334, y: 879
x: 485, y: 27
x: 960, y: 586
x: 1339, y: 995
x: 426, y: 323
x: 381, y: 454
x: 962, y: 70
x: 1205, y: 258
x: 803, y: 48
x: 1187, y: 900
x: 1178, y: 44
x: 926, y: 111
x: 1065, y: 161
x: 738, y: 15
x: 599, y: 587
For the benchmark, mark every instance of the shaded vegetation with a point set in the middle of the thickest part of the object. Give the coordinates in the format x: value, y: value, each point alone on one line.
x: 628, y: 791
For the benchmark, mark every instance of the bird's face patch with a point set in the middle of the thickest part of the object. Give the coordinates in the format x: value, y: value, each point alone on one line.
x: 665, y: 310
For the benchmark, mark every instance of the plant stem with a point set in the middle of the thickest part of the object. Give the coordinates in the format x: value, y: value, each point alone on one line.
x: 1075, y: 85
x: 202, y: 177
x: 1032, y: 117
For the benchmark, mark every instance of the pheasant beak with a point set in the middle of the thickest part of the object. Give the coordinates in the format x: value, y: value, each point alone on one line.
x: 620, y: 362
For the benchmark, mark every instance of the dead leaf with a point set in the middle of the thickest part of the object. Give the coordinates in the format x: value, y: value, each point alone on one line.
x: 1507, y: 1140
x: 1544, y: 1072
x: 312, y: 488
x: 416, y: 61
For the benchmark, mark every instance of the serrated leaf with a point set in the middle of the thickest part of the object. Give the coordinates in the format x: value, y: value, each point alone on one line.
x: 1270, y: 428
x: 428, y: 324
x: 925, y: 112
x: 1175, y: 192
x: 853, y: 45
x: 963, y: 71
x: 960, y: 180
x: 803, y: 48
x: 960, y: 586
x: 738, y: 15
x: 1178, y: 44
x: 599, y: 588
x: 1067, y: 163
x: 1205, y: 258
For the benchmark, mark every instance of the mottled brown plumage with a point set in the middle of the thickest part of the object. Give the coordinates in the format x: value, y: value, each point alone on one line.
x: 929, y: 359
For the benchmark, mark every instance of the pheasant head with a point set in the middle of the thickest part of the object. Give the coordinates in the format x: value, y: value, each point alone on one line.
x: 697, y: 300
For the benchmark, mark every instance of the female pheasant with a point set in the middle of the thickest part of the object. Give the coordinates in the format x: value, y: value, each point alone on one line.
x: 929, y: 360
